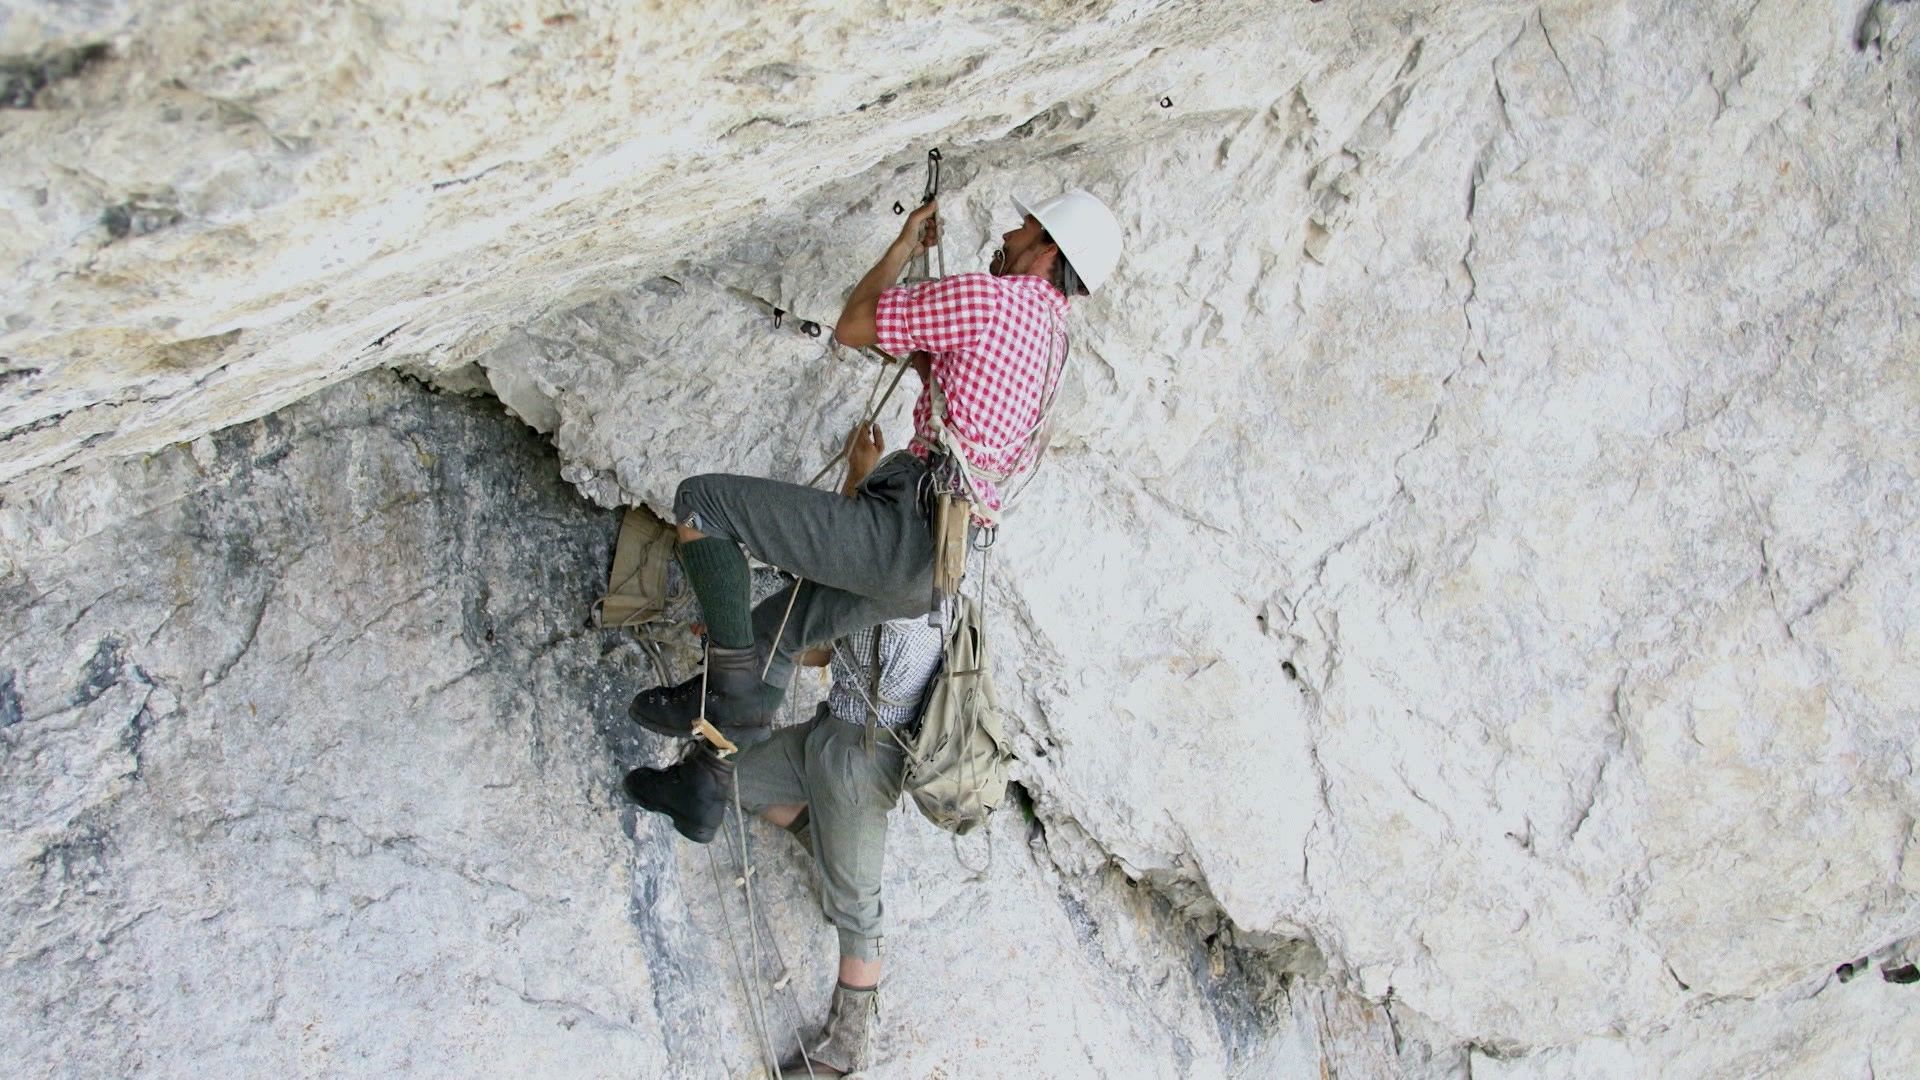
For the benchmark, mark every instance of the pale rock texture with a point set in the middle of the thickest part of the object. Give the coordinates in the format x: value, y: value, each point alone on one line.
x: 1473, y: 576
x: 312, y: 765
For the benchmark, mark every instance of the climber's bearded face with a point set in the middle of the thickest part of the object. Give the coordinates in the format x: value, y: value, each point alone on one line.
x: 1025, y: 250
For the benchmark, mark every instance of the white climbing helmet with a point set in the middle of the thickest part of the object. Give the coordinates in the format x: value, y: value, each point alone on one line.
x: 1086, y: 231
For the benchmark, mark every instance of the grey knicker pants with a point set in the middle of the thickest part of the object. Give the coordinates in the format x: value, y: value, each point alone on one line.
x: 848, y: 784
x: 861, y: 561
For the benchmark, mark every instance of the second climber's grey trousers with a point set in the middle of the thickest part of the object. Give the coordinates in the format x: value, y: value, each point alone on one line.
x: 861, y: 560
x: 849, y: 779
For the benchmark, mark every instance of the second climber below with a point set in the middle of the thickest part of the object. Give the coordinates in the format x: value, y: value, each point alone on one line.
x: 991, y: 345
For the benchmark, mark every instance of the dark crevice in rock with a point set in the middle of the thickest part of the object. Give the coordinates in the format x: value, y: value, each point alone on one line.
x: 134, y: 738
x: 680, y: 1013
x: 1242, y: 977
x: 12, y: 375
x: 11, y: 709
x: 442, y: 185
x: 1870, y: 33
x: 139, y: 216
x: 77, y: 857
x: 383, y: 339
x: 756, y: 121
x: 1061, y: 116
x: 257, y: 615
x: 23, y: 77
x: 102, y: 672
x: 41, y: 424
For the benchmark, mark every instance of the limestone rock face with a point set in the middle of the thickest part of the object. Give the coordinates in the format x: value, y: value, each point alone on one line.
x: 313, y: 767
x: 1472, y: 574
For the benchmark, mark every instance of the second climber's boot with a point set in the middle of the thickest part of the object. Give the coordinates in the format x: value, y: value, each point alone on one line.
x: 692, y: 793
x: 738, y: 703
x: 846, y: 1044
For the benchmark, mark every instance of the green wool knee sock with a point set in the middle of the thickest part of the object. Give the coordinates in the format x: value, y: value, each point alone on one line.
x: 718, y: 573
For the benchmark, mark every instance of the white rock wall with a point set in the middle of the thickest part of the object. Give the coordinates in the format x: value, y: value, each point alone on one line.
x: 312, y: 765
x: 1487, y: 485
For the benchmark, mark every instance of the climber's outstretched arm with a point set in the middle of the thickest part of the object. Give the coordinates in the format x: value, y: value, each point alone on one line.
x: 856, y: 326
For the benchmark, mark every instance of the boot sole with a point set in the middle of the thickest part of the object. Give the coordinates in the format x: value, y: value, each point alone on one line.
x: 659, y: 728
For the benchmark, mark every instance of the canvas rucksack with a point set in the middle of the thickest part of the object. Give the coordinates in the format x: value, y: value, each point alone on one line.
x: 637, y: 593
x: 957, y: 762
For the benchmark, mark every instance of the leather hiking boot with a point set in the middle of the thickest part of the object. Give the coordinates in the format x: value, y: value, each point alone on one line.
x: 738, y: 703
x: 668, y: 710
x: 845, y: 1045
x: 692, y: 793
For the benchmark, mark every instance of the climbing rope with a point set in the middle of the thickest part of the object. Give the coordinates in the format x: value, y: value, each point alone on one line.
x: 870, y: 417
x: 872, y: 412
x: 756, y: 1003
x: 753, y: 924
x: 755, y: 1007
x: 953, y: 446
x: 721, y: 745
x: 935, y: 254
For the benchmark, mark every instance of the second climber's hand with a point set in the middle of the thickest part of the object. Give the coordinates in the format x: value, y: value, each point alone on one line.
x: 922, y: 228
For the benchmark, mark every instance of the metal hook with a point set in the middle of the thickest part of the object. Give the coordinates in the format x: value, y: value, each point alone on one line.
x: 933, y: 177
x: 777, y: 313
x: 897, y: 208
x: 810, y: 328
x: 1167, y: 102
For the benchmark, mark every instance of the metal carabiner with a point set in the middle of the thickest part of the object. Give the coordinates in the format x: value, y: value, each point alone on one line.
x: 933, y: 177
x: 938, y: 256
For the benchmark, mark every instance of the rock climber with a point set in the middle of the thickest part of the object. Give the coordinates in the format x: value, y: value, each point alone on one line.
x: 831, y: 783
x: 988, y: 342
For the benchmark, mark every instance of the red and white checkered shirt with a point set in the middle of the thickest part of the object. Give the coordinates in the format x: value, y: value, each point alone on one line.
x: 992, y: 339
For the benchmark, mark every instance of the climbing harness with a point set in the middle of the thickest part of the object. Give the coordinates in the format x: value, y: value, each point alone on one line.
x: 956, y: 486
x: 963, y: 455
